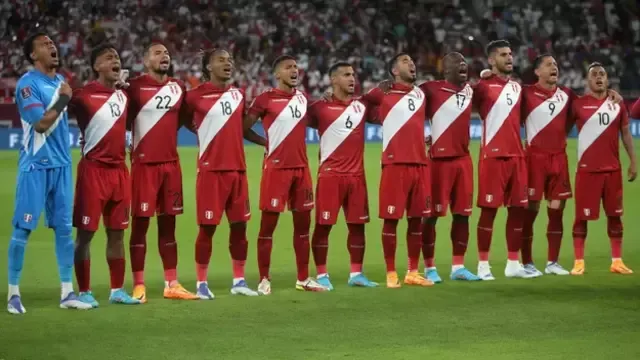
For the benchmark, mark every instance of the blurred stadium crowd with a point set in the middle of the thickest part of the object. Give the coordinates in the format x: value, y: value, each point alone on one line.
x: 366, y: 33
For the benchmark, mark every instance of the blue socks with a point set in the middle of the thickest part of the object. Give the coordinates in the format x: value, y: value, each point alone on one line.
x: 16, y: 254
x: 64, y: 253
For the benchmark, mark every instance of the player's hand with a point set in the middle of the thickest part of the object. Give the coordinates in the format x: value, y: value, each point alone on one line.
x: 614, y: 96
x: 65, y: 89
x: 428, y: 141
x: 385, y: 86
x: 632, y: 173
x: 485, y: 74
x: 122, y: 81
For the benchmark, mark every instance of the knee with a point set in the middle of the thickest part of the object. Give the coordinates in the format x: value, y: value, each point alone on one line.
x: 433, y: 220
x: 238, y: 226
x: 580, y: 228
x: 614, y: 226
x: 556, y: 204
x: 461, y: 219
x: 63, y: 232
x: 535, y: 205
x: 20, y: 235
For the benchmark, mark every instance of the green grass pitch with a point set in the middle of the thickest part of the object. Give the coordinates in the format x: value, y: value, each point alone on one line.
x: 591, y: 317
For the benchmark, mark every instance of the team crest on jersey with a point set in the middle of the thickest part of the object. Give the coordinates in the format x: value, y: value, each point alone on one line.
x: 27, y: 218
x: 144, y: 206
x: 532, y: 191
x: 489, y: 198
x: 208, y: 214
x: 587, y: 212
x: 438, y: 207
x: 274, y: 202
x: 86, y: 220
x: 326, y: 215
x: 26, y: 92
x: 391, y: 209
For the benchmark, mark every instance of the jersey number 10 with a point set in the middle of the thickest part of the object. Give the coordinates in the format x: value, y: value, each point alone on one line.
x: 604, y: 119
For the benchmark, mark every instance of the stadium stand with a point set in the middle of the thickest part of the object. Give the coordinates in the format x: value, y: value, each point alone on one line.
x: 366, y: 33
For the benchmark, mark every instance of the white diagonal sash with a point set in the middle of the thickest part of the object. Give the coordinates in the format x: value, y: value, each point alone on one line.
x: 400, y: 114
x: 542, y: 115
x: 500, y: 110
x: 599, y: 121
x: 151, y: 113
x: 449, y: 111
x: 285, y: 122
x: 217, y: 117
x: 338, y: 131
x: 104, y: 120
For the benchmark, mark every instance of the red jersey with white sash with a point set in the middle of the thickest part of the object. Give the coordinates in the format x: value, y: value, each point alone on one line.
x: 599, y: 122
x: 498, y: 101
x: 284, y: 120
x: 546, y: 117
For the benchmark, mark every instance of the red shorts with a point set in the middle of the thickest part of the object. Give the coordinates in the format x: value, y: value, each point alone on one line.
x: 502, y: 181
x: 591, y: 187
x: 452, y: 184
x: 346, y: 191
x: 405, y: 187
x: 101, y: 190
x: 156, y: 189
x: 548, y: 175
x: 291, y: 187
x: 222, y: 191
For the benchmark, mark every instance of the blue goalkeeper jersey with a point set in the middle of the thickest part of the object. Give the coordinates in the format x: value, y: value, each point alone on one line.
x: 36, y: 93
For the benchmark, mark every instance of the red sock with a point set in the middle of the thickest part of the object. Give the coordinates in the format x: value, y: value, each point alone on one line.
x: 356, y: 245
x: 389, y: 240
x: 116, y: 272
x: 527, y: 235
x: 555, y: 229
x: 614, y: 230
x: 238, y: 248
x: 320, y: 247
x: 204, y: 248
x: 459, y: 238
x: 168, y: 247
x: 414, y: 242
x: 301, y: 246
x: 83, y: 274
x: 485, y: 231
x: 268, y: 223
x: 515, y: 217
x: 138, y: 248
x: 579, y: 238
x: 428, y: 243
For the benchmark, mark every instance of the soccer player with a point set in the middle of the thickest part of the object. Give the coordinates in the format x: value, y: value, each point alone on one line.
x: 154, y: 117
x: 217, y: 110
x: 449, y: 109
x: 502, y: 171
x: 599, y: 178
x: 286, y: 179
x: 341, y: 177
x: 405, y: 180
x: 545, y: 111
x: 102, y: 184
x: 44, y: 169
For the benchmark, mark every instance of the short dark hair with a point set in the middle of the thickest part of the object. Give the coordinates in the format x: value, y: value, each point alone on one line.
x: 96, y: 52
x: 340, y: 64
x: 539, y: 59
x: 280, y: 59
x: 393, y: 61
x: 28, y: 45
x: 148, y: 47
x: 206, y: 57
x: 495, y: 45
x: 595, y: 64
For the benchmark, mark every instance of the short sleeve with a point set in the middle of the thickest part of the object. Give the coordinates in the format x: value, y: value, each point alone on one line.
x: 478, y: 92
x: 371, y: 115
x: 258, y: 106
x: 373, y: 97
x: 635, y: 110
x: 186, y: 110
x: 75, y: 108
x: 426, y: 89
x: 29, y: 100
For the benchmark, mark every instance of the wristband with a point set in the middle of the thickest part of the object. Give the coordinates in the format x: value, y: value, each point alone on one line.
x: 62, y: 102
